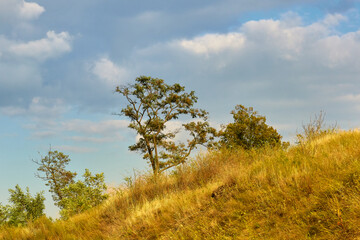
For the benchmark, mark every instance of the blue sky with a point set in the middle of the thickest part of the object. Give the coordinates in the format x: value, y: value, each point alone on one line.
x: 61, y: 60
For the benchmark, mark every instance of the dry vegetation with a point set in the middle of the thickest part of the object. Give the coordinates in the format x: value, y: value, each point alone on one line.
x: 310, y: 191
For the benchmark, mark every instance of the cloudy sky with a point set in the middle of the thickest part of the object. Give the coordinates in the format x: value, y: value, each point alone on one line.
x: 60, y: 61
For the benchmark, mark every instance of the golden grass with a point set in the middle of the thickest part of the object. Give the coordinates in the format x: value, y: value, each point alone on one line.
x: 306, y: 192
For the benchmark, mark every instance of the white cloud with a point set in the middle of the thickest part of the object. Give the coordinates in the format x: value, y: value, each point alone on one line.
x: 52, y: 46
x: 20, y: 10
x: 214, y: 43
x: 106, y: 70
x: 256, y: 49
x: 285, y: 39
x: 30, y: 10
x: 21, y: 78
x: 334, y: 19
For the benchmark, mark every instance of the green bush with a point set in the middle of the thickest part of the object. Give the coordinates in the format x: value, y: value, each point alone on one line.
x: 83, y: 195
x: 23, y: 207
x: 70, y: 196
x: 249, y: 130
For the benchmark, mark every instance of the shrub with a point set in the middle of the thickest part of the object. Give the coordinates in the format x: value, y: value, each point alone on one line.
x: 23, y: 207
x: 70, y: 196
x: 83, y: 195
x: 249, y: 130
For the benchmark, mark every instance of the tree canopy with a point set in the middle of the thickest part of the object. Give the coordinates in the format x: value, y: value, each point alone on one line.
x: 249, y: 130
x: 151, y: 105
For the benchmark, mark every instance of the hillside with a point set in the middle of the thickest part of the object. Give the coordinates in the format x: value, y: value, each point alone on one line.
x: 310, y: 191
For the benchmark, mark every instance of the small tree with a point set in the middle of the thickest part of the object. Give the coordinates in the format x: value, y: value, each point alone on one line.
x: 70, y: 196
x: 83, y: 195
x: 23, y: 207
x: 152, y: 104
x: 249, y: 130
x: 56, y: 176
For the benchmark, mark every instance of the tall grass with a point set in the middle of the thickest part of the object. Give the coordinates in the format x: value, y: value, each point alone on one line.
x: 267, y: 193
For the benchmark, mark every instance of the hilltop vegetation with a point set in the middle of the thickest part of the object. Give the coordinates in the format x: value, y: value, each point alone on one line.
x: 310, y: 191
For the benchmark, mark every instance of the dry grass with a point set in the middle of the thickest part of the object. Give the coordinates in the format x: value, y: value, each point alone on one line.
x: 305, y: 192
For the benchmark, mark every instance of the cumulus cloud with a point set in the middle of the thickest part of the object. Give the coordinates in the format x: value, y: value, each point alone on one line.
x: 19, y: 9
x: 109, y: 72
x: 52, y: 46
x: 285, y: 39
x: 30, y: 10
x: 281, y: 47
x: 21, y: 69
x: 334, y: 19
x: 214, y: 43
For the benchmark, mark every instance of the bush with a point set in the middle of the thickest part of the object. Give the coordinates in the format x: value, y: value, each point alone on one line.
x: 83, y: 195
x: 70, y: 196
x: 315, y: 128
x: 23, y: 207
x: 249, y: 130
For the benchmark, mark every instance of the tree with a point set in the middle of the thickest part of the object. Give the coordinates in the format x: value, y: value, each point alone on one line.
x: 83, y: 195
x: 23, y: 207
x: 249, y: 130
x: 151, y: 105
x: 56, y: 176
x: 70, y: 196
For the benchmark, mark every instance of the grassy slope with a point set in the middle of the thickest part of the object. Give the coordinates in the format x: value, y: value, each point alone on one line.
x: 307, y: 192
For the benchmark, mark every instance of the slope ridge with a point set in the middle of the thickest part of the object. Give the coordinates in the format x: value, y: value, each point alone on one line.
x: 310, y: 191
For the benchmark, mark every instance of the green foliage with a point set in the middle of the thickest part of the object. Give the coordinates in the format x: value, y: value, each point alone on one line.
x: 249, y: 130
x: 152, y: 104
x: 70, y: 196
x: 4, y: 214
x: 23, y: 207
x: 56, y: 176
x: 83, y: 195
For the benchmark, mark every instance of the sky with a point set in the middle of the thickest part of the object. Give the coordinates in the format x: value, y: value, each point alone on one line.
x: 61, y: 60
